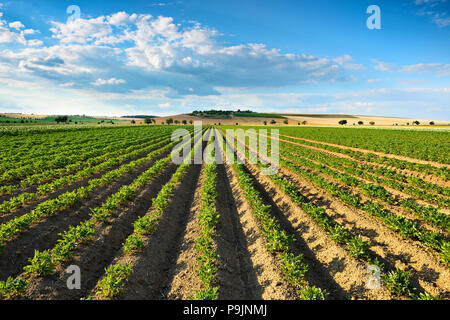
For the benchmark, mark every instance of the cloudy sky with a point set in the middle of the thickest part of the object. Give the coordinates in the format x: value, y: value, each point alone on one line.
x: 166, y: 57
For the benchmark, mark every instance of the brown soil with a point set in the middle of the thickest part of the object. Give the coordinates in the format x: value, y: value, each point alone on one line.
x: 427, y: 272
x: 397, y: 196
x: 398, y: 210
x: 95, y: 256
x: 236, y: 276
x: 272, y: 285
x: 185, y: 280
x: 33, y: 188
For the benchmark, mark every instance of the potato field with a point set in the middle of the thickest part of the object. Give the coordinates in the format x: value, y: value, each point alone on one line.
x: 350, y: 214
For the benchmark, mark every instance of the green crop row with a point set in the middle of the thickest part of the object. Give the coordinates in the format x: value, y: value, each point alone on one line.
x: 28, y: 165
x: 43, y: 263
x: 204, y: 244
x: 442, y: 172
x: 366, y: 171
x: 50, y: 207
x: 400, y: 224
x: 425, y: 145
x: 427, y: 213
x: 99, y: 156
x: 22, y: 199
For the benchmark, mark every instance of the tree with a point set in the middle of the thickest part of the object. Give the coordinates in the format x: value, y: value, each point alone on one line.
x: 184, y: 122
x: 169, y: 121
x: 237, y: 123
x: 416, y: 122
x: 342, y: 122
x: 177, y: 122
x: 304, y: 122
x: 265, y: 123
x: 273, y: 122
x: 191, y: 122
x: 133, y: 122
x: 431, y: 123
x: 360, y: 122
x: 285, y: 121
x: 148, y: 120
x: 61, y: 119
x: 371, y: 123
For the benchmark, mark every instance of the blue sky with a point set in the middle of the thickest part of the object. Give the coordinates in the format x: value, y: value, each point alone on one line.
x: 169, y: 57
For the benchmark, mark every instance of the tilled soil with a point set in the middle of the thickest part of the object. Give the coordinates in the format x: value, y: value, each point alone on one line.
x: 185, y: 281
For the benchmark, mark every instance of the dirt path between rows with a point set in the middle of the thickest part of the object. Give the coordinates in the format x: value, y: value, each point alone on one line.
x: 397, y: 195
x: 69, y: 188
x: 185, y: 281
x: 271, y: 283
x: 331, y: 266
x: 236, y: 276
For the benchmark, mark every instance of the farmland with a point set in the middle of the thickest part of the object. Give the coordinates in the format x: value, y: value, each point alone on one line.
x: 346, y: 206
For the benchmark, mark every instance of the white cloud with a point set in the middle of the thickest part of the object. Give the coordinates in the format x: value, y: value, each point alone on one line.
x: 121, y: 18
x: 112, y: 81
x: 16, y: 25
x: 30, y: 31
x: 438, y: 69
x: 436, y: 9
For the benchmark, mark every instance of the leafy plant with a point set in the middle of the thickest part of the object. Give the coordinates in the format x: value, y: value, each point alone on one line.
x: 41, y: 264
x: 397, y: 281
x: 12, y: 288
x: 111, y: 285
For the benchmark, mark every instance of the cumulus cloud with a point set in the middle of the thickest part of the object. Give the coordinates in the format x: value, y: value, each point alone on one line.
x: 12, y: 33
x: 155, y: 52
